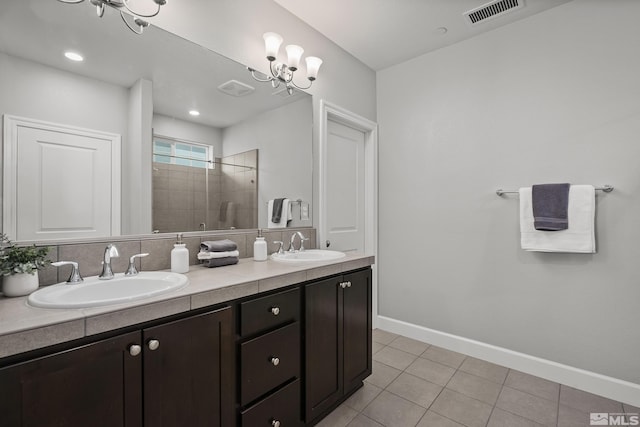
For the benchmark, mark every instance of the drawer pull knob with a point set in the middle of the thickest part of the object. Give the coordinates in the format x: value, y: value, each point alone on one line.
x: 275, y: 311
x: 153, y: 344
x: 343, y: 285
x: 135, y: 349
x: 275, y: 423
x: 348, y: 284
x: 275, y: 361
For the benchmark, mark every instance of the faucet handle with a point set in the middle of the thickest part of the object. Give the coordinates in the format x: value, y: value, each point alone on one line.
x: 132, y: 270
x: 302, y: 240
x: 281, y: 243
x: 75, y: 276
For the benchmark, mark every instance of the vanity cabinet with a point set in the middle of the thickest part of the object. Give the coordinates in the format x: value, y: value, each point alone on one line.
x: 337, y: 339
x: 279, y: 359
x: 94, y: 385
x: 269, y: 360
x: 177, y: 373
x: 188, y: 377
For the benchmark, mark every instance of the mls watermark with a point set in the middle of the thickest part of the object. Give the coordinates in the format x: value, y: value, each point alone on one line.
x: 613, y: 419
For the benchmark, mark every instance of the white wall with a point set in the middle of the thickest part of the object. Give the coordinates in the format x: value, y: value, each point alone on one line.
x: 552, y: 98
x: 284, y: 156
x: 136, y: 161
x: 234, y: 28
x: 36, y: 91
x: 188, y: 131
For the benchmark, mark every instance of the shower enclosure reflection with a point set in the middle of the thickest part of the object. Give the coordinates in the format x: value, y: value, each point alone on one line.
x: 193, y: 191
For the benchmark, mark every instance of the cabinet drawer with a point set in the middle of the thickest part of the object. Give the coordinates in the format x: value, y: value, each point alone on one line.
x: 263, y: 313
x: 282, y: 406
x: 268, y: 361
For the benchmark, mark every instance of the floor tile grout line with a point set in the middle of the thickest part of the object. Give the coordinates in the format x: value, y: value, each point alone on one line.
x: 503, y: 384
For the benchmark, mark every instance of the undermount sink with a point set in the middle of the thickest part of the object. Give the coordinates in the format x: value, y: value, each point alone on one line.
x: 309, y: 255
x: 94, y: 292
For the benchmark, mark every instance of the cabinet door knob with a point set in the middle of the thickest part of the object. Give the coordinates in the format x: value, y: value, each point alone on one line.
x: 275, y: 311
x: 153, y: 344
x: 275, y: 423
x: 348, y: 284
x: 135, y: 349
x: 343, y: 285
x: 275, y: 361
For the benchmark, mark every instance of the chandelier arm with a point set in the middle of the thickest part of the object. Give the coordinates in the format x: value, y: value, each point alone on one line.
x: 126, y: 5
x: 300, y: 87
x: 253, y: 74
x: 139, y: 32
x: 273, y: 73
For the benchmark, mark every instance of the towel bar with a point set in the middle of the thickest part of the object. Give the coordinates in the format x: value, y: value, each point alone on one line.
x: 606, y: 188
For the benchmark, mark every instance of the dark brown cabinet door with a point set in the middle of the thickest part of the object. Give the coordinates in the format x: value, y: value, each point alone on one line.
x: 323, y: 346
x: 337, y: 339
x: 357, y: 329
x: 94, y: 385
x: 188, y: 372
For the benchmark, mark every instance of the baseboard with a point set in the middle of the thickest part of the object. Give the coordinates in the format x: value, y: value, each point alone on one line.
x: 612, y: 388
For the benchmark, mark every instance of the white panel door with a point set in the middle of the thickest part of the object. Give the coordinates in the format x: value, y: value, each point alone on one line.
x: 345, y: 184
x: 64, y: 182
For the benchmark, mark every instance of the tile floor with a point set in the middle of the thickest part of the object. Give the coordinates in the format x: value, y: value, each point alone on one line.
x: 417, y: 384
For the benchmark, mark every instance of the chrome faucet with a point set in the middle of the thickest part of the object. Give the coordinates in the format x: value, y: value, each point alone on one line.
x: 109, y: 252
x: 293, y: 238
x: 132, y: 270
x: 75, y: 276
x: 280, y: 243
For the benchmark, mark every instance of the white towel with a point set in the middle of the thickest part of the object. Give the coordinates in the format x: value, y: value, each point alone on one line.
x: 579, y: 237
x: 212, y: 255
x: 284, y: 218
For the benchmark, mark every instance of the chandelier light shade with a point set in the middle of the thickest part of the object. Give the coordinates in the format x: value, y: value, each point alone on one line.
x: 134, y: 22
x: 272, y: 42
x: 294, y: 54
x: 283, y: 72
x: 313, y: 65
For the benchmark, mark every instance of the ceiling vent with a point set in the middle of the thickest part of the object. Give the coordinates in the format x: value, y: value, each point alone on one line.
x: 492, y: 10
x: 236, y: 88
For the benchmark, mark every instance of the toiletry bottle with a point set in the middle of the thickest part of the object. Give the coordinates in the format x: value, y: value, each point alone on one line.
x: 260, y: 248
x: 180, y: 257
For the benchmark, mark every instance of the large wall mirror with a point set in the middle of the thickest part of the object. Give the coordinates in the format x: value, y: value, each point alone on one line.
x: 168, y: 171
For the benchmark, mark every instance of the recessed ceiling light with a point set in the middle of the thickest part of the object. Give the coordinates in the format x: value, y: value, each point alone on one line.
x: 441, y: 30
x: 74, y: 56
x: 194, y: 112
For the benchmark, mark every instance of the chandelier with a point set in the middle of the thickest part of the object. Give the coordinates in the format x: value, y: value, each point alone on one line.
x: 138, y: 24
x: 281, y: 72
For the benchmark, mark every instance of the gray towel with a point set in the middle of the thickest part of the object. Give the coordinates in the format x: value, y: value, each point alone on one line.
x: 218, y: 245
x: 276, y: 215
x: 220, y: 262
x: 550, y: 206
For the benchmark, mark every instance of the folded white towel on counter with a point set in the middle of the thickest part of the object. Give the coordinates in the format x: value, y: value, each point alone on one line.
x: 212, y: 255
x: 579, y: 237
x: 285, y: 217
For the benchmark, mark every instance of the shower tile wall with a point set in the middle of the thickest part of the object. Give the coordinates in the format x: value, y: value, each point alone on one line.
x: 180, y: 194
x: 179, y: 197
x: 239, y: 185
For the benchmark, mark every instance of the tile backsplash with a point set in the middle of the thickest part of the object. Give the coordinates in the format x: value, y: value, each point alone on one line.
x: 89, y: 255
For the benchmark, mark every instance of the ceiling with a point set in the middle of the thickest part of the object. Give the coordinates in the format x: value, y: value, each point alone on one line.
x: 185, y: 75
x: 381, y: 33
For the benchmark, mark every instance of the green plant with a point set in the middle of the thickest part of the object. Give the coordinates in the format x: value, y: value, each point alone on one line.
x: 21, y: 259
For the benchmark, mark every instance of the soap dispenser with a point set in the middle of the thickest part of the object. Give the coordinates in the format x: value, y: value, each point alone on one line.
x: 260, y: 248
x: 179, y: 257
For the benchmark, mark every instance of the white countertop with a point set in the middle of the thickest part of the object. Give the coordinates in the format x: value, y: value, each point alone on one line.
x: 24, y: 328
